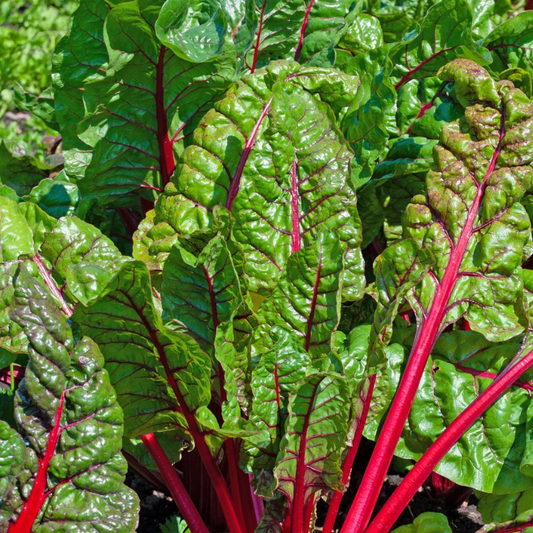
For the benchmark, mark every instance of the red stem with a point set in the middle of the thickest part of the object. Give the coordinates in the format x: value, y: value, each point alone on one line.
x: 166, y: 155
x: 248, y: 145
x: 412, y: 71
x: 175, y: 486
x: 258, y: 40
x: 529, y: 5
x: 152, y: 477
x: 515, y: 529
x: 298, y: 506
x: 32, y: 506
x: 426, y: 336
x: 52, y: 287
x: 423, y: 468
x: 302, y: 31
x: 336, y: 500
x: 295, y: 235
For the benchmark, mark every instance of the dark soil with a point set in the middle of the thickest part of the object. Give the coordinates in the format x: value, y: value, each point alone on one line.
x: 460, y: 506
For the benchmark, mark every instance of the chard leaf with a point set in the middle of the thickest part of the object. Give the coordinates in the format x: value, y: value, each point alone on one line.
x: 482, y: 169
x: 315, y: 434
x: 307, y: 32
x: 276, y: 376
x: 281, y: 166
x: 307, y: 298
x: 445, y: 33
x: 82, y: 257
x: 20, y: 170
x: 148, y: 100
x: 501, y: 509
x: 55, y: 197
x: 70, y: 428
x: 397, y: 17
x: 200, y: 292
x: 162, y: 378
x: 511, y: 44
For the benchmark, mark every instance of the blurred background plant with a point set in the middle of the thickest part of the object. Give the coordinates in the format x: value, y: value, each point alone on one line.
x: 29, y: 32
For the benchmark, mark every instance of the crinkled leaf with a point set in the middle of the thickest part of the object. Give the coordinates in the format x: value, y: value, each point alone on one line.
x: 200, y: 292
x: 69, y: 463
x: 284, y: 176
x: 274, y: 379
x: 307, y: 298
x: 471, y: 223
x: 495, y: 454
x: 160, y: 376
x: 81, y: 257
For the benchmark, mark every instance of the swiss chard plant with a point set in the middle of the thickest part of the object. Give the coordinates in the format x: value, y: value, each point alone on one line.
x: 281, y: 227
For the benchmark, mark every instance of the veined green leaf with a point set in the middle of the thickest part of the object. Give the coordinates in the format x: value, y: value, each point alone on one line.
x: 70, y: 428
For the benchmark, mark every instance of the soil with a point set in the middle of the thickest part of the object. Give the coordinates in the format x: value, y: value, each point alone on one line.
x: 460, y: 506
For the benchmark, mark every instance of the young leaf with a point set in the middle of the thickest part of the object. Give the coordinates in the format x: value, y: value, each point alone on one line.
x: 426, y: 523
x: 70, y: 431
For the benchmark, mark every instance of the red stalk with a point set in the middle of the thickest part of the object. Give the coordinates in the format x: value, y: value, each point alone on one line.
x: 295, y: 235
x: 154, y: 478
x: 426, y: 336
x: 166, y: 155
x: 529, y: 5
x: 174, y: 484
x: 32, y: 506
x: 298, y: 506
x: 258, y: 40
x: 423, y: 468
x: 336, y: 500
x: 51, y: 284
x: 248, y: 145
x: 515, y: 529
x: 302, y: 30
x: 257, y: 502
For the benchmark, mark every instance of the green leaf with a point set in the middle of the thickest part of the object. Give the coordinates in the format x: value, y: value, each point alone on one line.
x: 510, y: 43
x: 495, y: 454
x: 148, y: 102
x: 307, y: 298
x: 472, y: 208
x: 66, y: 463
x: 200, y: 292
x: 194, y: 31
x: 83, y: 258
x: 80, y: 59
x: 499, y: 509
x: 427, y: 523
x: 55, y: 197
x: 174, y: 524
x: 22, y: 171
x: 280, y: 164
x: 160, y: 376
x: 276, y: 376
x: 445, y: 33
